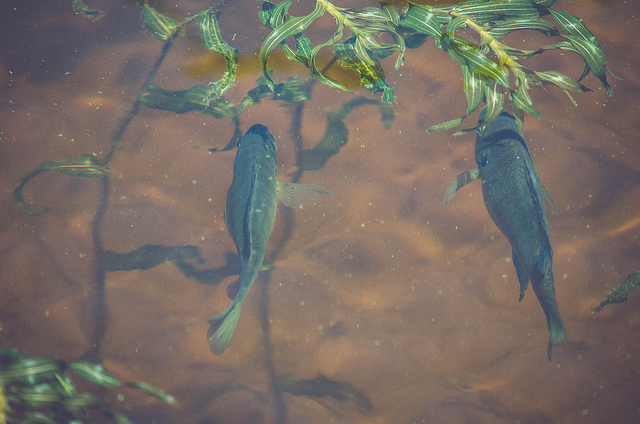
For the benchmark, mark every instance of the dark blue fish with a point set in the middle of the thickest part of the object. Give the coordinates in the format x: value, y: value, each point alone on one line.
x: 514, y: 197
x: 249, y: 214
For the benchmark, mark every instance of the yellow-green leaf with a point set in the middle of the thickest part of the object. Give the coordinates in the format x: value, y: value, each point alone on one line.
x: 473, y: 86
x: 95, y: 373
x: 162, y: 27
x: 288, y: 28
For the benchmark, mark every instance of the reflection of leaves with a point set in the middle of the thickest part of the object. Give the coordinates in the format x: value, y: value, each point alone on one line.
x: 147, y: 257
x: 195, y: 98
x: 39, y: 390
x: 337, y: 135
x: 82, y: 166
x: 81, y: 9
x: 213, y: 275
x: 321, y: 386
x: 621, y: 292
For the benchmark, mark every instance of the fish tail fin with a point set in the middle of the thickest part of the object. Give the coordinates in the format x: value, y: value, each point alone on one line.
x: 222, y: 327
x: 557, y: 332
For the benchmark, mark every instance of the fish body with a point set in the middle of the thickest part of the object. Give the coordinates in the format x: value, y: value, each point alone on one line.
x: 514, y: 197
x: 249, y: 215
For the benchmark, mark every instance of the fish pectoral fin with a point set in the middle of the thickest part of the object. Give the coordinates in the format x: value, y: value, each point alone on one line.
x: 460, y: 181
x: 523, y: 277
x: 548, y: 200
x: 544, y: 260
x: 296, y: 195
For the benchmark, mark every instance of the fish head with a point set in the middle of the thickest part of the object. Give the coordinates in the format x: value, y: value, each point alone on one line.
x: 259, y: 130
x: 504, y: 126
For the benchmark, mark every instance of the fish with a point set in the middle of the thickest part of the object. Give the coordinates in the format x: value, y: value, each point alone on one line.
x: 514, y: 197
x: 249, y: 215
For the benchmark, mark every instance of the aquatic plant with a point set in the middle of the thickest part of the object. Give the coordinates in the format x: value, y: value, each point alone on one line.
x: 39, y: 390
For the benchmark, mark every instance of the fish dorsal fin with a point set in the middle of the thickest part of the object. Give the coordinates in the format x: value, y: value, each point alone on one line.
x: 548, y: 200
x: 296, y: 195
x: 460, y: 181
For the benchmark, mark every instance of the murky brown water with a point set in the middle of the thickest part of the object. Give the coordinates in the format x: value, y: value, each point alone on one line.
x: 382, y: 286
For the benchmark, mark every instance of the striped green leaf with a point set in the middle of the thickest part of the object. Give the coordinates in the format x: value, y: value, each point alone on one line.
x: 421, y: 20
x: 162, y: 27
x: 473, y: 85
x: 486, y: 11
x: 594, y: 60
x: 447, y: 125
x: 212, y: 39
x: 560, y: 80
x: 357, y: 57
x: 95, y: 373
x: 494, y: 98
x: 470, y: 55
x: 586, y: 44
x: 31, y: 371
x: 288, y: 28
x: 520, y: 99
x: 501, y: 29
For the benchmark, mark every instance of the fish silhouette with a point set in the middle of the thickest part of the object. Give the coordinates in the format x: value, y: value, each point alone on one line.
x: 514, y: 197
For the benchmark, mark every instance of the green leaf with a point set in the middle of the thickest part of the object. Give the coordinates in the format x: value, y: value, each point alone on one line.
x: 159, y: 394
x: 192, y: 99
x: 471, y: 55
x: 95, y: 373
x: 81, y: 402
x: 501, y: 29
x: 288, y: 28
x: 495, y: 100
x: 473, y: 86
x: 560, y: 80
x: 447, y: 125
x: 162, y: 27
x: 39, y: 396
x: 520, y: 99
x: 586, y: 44
x: 420, y: 19
x: 303, y: 54
x: 85, y: 165
x: 353, y: 55
x: 212, y: 38
x: 483, y: 11
x: 593, y: 58
x: 31, y: 371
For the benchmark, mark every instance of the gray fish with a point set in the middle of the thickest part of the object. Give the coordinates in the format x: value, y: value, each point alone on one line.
x: 249, y: 215
x: 514, y: 197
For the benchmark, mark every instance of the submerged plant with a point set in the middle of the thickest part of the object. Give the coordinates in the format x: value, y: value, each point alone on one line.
x: 39, y: 390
